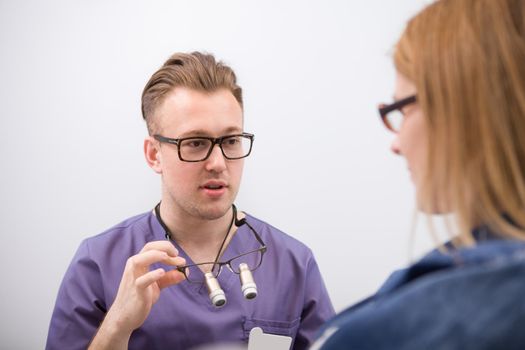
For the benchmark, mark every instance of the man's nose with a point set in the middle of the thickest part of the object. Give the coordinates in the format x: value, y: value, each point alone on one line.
x: 216, y: 161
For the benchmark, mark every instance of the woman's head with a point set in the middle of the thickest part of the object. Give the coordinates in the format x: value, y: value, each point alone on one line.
x: 465, y: 62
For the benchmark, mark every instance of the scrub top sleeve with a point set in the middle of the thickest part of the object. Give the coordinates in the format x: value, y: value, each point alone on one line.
x: 80, y: 306
x: 317, y: 307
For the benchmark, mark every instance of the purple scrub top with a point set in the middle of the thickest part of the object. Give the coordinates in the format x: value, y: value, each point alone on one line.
x: 292, y: 299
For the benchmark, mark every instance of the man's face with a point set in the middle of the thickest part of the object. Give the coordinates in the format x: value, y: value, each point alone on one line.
x: 206, y: 189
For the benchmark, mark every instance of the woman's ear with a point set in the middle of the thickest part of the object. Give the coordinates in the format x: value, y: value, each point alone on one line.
x: 152, y: 154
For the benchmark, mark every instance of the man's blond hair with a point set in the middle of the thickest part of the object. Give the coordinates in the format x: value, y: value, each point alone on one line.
x: 197, y: 71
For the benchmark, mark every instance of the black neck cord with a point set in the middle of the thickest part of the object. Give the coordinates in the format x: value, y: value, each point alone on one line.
x: 168, y: 234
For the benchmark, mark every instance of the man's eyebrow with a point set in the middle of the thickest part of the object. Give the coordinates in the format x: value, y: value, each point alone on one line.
x: 233, y: 129
x: 196, y: 132
x: 202, y: 132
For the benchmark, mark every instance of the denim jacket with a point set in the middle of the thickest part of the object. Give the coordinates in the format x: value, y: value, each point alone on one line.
x: 469, y: 298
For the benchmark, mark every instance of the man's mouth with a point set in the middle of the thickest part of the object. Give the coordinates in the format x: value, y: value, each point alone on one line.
x: 213, y: 187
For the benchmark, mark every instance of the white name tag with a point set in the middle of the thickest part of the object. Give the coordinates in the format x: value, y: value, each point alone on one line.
x: 262, y: 341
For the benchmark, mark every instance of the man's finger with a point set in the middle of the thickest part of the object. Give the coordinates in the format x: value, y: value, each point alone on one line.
x: 170, y: 278
x: 177, y: 261
x: 165, y: 246
x: 145, y: 259
x: 153, y: 276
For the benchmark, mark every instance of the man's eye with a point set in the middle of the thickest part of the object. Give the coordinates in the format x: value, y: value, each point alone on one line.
x: 194, y: 144
x: 232, y: 141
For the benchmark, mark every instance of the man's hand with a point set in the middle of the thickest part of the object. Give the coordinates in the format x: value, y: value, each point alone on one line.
x: 139, y: 289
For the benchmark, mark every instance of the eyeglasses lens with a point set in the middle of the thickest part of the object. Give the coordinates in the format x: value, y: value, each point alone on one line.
x: 198, y: 148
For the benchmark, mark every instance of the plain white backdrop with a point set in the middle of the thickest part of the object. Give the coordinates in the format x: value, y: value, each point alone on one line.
x: 71, y: 133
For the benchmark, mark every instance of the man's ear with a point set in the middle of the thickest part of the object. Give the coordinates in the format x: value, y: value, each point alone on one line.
x: 152, y: 154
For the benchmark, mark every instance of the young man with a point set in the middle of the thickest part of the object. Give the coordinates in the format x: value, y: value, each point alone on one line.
x: 158, y: 280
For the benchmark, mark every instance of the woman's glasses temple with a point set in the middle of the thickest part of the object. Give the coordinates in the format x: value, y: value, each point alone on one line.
x: 385, y: 109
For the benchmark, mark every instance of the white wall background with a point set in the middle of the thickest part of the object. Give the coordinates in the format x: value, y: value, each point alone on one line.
x: 71, y: 75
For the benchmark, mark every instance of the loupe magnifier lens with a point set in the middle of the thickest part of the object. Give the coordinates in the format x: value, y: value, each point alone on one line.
x: 248, y: 286
x: 215, y: 292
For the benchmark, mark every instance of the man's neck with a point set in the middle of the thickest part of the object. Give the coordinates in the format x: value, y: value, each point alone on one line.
x: 199, y: 237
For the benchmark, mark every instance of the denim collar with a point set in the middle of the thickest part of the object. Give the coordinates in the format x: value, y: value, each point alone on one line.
x: 489, y: 249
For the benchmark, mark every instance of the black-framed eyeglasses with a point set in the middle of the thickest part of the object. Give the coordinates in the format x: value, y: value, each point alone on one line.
x: 391, y: 114
x: 253, y: 258
x: 197, y: 149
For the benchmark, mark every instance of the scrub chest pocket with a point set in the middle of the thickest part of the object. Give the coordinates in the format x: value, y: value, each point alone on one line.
x: 286, y: 328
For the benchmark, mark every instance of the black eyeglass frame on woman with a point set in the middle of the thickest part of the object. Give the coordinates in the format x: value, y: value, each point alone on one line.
x: 385, y: 110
